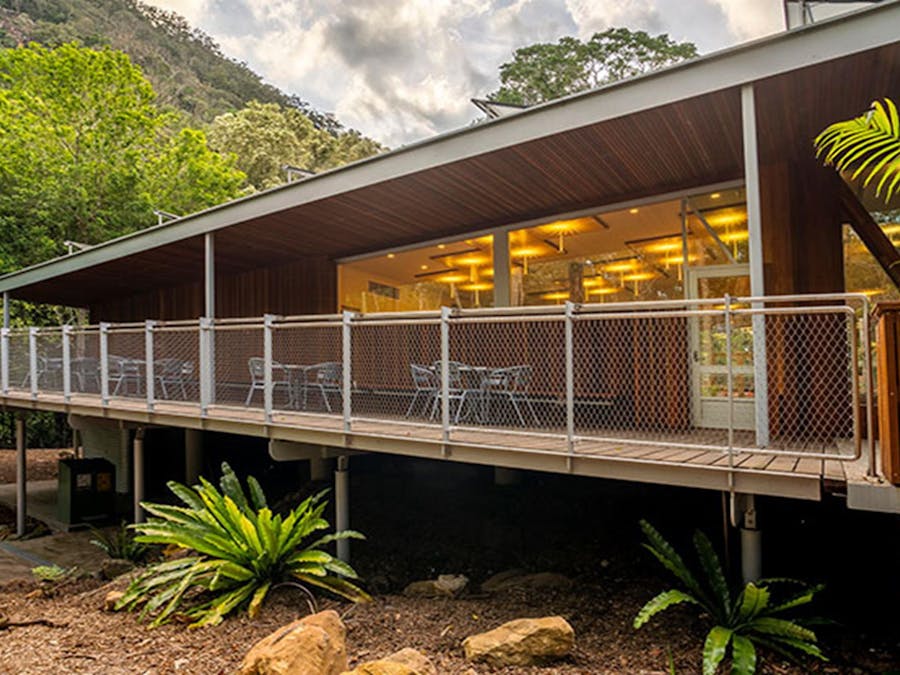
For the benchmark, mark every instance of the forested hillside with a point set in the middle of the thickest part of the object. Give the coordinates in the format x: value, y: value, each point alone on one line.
x: 186, y: 67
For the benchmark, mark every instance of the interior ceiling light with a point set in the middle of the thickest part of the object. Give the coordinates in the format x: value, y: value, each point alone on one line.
x: 561, y: 228
x: 456, y: 278
x: 624, y: 266
x: 480, y: 286
x: 715, y: 195
x: 725, y: 217
x: 664, y: 246
x: 603, y: 290
x: 556, y: 295
x: 471, y: 259
x: 633, y: 211
x: 730, y: 237
x: 639, y: 276
x: 391, y: 255
x: 442, y: 246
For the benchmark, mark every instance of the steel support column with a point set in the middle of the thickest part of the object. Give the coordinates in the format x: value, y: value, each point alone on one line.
x: 502, y: 295
x: 138, y: 465
x: 209, y: 275
x: 21, y: 476
x: 193, y: 455
x: 755, y: 249
x: 342, y: 505
x: 751, y: 542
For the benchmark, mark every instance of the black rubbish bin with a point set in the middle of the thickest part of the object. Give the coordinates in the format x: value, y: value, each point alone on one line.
x: 87, y: 490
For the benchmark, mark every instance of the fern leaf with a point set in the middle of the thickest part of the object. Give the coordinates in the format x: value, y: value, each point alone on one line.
x: 713, y: 568
x: 714, y: 648
x: 743, y: 656
x: 661, y: 602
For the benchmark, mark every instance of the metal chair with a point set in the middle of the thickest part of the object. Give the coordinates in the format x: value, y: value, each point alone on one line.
x: 460, y: 390
x: 326, y: 378
x: 511, y: 385
x: 427, y: 385
x: 173, y: 373
x: 86, y: 370
x: 124, y: 372
x: 280, y: 378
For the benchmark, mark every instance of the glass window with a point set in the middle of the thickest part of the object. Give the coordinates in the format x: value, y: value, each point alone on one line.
x: 455, y: 274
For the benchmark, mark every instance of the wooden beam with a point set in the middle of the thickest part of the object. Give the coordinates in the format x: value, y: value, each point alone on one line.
x: 871, y: 234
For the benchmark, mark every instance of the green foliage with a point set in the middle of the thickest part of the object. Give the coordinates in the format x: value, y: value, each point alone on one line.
x: 86, y: 155
x: 546, y: 71
x: 120, y: 543
x: 53, y: 574
x: 869, y: 144
x: 238, y: 549
x: 742, y: 621
x: 266, y: 136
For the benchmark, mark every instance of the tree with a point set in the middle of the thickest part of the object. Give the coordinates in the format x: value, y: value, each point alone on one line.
x: 545, y: 71
x: 267, y: 136
x: 86, y: 155
x: 867, y: 144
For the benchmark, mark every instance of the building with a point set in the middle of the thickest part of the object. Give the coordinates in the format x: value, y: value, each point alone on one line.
x: 642, y: 282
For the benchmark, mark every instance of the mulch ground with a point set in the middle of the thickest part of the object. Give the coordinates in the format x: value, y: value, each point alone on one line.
x: 41, y: 464
x: 85, y: 639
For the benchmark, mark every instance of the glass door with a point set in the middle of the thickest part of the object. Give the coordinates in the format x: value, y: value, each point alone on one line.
x: 709, y: 356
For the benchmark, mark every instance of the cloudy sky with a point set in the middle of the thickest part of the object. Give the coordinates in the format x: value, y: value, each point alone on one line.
x: 401, y: 70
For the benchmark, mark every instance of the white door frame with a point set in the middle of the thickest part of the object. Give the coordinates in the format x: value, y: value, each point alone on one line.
x: 745, y: 409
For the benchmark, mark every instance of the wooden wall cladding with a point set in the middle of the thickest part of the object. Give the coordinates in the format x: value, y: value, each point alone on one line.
x: 305, y: 286
x: 888, y: 346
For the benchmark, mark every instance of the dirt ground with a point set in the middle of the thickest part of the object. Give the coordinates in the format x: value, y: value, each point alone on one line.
x: 85, y: 639
x: 41, y: 464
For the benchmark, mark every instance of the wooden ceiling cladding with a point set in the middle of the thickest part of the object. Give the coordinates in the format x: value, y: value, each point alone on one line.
x: 793, y: 108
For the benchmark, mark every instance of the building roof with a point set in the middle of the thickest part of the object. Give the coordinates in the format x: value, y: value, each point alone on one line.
x: 673, y: 129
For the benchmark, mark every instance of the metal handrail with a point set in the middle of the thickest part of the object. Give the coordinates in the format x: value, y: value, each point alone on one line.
x: 271, y: 327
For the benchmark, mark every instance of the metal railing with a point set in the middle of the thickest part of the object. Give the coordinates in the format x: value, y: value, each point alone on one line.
x: 789, y: 376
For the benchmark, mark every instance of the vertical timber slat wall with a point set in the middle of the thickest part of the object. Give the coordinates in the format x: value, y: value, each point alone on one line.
x: 888, y: 346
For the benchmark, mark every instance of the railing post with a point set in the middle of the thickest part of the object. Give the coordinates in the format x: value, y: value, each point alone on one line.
x: 149, y: 326
x: 570, y: 381
x: 268, y: 382
x: 32, y: 361
x: 868, y: 383
x: 67, y: 362
x: 206, y: 374
x: 104, y: 364
x: 4, y: 360
x: 729, y: 367
x: 346, y: 356
x: 445, y: 376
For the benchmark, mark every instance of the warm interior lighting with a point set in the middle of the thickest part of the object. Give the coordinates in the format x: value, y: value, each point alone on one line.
x: 556, y: 295
x: 632, y: 211
x: 730, y: 237
x: 625, y: 266
x: 715, y: 195
x: 452, y: 278
x: 870, y: 292
x: 391, y: 255
x: 603, y: 290
x: 592, y: 282
x: 442, y: 246
x: 471, y: 259
x: 677, y: 259
x: 526, y: 252
x: 639, y: 276
x: 423, y: 267
x: 891, y: 229
x: 479, y: 286
x: 663, y: 247
x: 725, y: 217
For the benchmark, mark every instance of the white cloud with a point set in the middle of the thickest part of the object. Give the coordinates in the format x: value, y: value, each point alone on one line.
x: 405, y: 69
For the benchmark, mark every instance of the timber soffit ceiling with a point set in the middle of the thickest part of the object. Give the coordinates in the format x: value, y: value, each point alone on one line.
x: 670, y: 130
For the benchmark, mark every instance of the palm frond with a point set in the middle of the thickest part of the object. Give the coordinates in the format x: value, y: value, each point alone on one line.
x: 866, y: 145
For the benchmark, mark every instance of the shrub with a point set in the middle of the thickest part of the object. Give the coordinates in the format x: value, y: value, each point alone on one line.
x: 238, y: 551
x: 120, y: 544
x: 743, y: 621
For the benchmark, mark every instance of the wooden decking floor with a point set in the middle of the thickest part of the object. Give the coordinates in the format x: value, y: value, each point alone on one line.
x: 665, y: 449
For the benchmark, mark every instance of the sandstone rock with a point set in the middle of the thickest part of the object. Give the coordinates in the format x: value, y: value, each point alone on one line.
x: 445, y: 586
x: 505, y: 581
x: 114, y: 567
x: 523, y: 642
x: 405, y: 662
x: 109, y: 602
x: 314, y: 645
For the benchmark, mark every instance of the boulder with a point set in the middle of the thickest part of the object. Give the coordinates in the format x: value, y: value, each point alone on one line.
x: 405, y: 662
x: 445, y: 586
x: 511, y: 579
x: 313, y: 645
x: 115, y: 567
x: 523, y: 642
x: 109, y: 602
